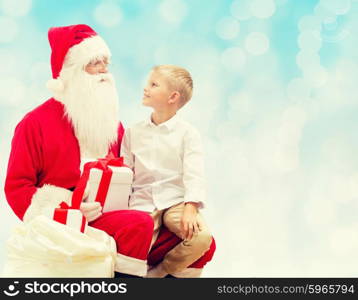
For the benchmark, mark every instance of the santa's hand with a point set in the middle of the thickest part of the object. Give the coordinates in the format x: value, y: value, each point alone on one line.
x: 91, y: 210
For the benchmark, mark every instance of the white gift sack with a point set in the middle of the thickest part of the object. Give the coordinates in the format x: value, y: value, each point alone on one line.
x: 45, y: 248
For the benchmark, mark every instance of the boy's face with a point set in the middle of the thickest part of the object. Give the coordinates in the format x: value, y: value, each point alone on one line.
x: 156, y: 92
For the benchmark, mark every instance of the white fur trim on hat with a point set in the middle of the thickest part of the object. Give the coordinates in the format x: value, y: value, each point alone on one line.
x: 55, y: 85
x: 87, y: 50
x: 45, y: 200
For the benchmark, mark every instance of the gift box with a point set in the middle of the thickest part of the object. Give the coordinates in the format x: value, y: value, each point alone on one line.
x: 70, y: 217
x: 109, y: 182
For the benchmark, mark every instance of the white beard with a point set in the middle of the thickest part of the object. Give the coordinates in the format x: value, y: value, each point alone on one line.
x: 91, y: 105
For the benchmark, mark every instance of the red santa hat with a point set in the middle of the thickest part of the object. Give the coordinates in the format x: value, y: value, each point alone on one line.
x: 73, y: 45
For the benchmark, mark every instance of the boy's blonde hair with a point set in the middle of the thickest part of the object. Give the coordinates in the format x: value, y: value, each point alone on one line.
x: 178, y: 79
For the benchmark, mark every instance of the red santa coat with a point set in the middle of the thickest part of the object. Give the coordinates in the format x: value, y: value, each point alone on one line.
x: 44, y: 150
x: 44, y: 166
x: 43, y: 169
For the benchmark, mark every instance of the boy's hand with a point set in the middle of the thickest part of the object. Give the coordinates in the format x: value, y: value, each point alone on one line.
x: 189, y: 224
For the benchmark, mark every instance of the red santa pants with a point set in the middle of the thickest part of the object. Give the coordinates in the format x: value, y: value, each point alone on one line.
x: 132, y: 231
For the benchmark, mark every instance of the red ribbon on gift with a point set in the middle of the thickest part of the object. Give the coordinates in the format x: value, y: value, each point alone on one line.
x: 101, y: 164
x: 61, y: 214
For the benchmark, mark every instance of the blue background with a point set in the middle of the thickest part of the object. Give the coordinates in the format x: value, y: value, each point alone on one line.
x: 275, y: 99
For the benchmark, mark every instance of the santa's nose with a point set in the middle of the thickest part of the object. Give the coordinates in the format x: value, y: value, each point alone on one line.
x: 103, y: 68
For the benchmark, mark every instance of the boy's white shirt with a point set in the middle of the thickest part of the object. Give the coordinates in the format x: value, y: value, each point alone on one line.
x: 167, y: 161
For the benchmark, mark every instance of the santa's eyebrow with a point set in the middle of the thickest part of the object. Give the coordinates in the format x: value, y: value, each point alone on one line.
x: 103, y: 58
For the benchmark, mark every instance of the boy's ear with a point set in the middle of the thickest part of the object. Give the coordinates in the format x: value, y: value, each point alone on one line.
x: 174, y: 97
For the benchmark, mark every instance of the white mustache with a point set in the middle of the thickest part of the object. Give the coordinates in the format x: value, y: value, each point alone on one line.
x: 105, y: 77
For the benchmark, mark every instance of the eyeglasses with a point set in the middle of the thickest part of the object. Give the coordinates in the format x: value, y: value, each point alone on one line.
x: 98, y: 63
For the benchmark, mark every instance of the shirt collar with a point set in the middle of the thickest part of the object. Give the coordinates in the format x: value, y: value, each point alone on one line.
x: 169, y: 124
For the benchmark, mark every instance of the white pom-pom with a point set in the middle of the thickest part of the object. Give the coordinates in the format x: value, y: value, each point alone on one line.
x: 55, y: 85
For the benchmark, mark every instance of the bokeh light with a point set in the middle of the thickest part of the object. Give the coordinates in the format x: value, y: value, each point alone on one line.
x: 227, y: 28
x: 17, y: 8
x: 309, y: 40
x: 13, y: 92
x: 309, y: 23
x: 257, y: 43
x: 298, y: 90
x: 305, y: 59
x: 233, y: 59
x: 108, y: 14
x: 262, y: 9
x: 9, y: 29
x: 240, y: 9
x: 173, y: 11
x: 338, y: 7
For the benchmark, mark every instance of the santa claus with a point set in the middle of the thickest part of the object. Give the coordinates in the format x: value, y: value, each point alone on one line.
x: 80, y: 121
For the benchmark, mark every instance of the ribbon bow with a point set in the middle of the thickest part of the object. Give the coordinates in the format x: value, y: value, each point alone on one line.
x: 101, y: 164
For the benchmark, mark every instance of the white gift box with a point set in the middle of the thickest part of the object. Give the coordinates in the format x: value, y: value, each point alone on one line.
x: 70, y: 217
x: 119, y: 189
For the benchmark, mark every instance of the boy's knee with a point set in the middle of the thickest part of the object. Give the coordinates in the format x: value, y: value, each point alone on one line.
x: 170, y: 220
x: 202, y: 241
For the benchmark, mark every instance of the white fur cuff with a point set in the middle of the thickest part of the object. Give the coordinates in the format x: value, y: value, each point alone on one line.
x: 45, y: 200
x: 130, y: 265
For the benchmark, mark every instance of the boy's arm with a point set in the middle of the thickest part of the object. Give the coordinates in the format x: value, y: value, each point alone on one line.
x: 193, y: 179
x: 193, y: 169
x: 126, y: 149
x: 189, y: 223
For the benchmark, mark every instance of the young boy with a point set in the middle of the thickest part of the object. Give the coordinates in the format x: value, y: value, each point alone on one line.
x: 166, y: 157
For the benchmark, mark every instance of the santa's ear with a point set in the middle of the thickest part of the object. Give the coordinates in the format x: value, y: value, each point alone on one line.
x: 174, y: 97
